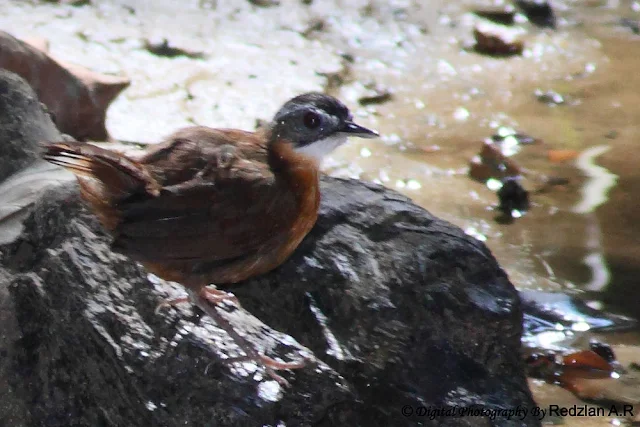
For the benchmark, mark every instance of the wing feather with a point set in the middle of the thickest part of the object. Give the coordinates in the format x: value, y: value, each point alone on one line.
x: 229, y: 206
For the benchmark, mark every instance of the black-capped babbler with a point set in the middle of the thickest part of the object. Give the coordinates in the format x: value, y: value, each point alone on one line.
x: 215, y: 206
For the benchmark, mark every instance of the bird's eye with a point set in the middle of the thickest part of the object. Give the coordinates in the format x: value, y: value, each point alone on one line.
x: 311, y: 120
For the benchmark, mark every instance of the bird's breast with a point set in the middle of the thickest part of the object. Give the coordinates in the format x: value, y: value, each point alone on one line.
x: 300, y: 175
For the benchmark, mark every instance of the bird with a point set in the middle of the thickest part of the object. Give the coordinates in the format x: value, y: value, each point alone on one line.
x: 213, y: 206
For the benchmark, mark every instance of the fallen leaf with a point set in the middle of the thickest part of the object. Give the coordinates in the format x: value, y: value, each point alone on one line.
x: 559, y: 156
x: 491, y: 163
x: 76, y: 97
x: 587, y: 364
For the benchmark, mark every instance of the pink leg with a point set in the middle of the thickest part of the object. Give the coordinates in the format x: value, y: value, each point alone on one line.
x: 267, y: 361
x: 212, y: 294
x: 207, y: 300
x: 216, y: 296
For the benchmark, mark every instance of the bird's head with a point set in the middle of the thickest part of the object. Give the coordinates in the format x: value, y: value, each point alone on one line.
x: 315, y: 124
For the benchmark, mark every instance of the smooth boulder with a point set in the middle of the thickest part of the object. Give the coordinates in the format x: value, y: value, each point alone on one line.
x: 401, y: 309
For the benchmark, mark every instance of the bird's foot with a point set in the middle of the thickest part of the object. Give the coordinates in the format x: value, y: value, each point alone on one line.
x: 270, y: 365
x: 207, y: 300
x: 214, y: 295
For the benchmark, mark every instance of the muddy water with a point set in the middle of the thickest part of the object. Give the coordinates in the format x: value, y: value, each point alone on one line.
x: 580, y: 237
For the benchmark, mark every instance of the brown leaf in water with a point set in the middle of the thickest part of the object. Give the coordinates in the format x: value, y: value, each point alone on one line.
x: 587, y: 364
x: 77, y: 98
x: 559, y: 156
x: 491, y: 163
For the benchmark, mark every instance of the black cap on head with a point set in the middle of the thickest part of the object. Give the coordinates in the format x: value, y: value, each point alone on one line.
x: 314, y: 117
x: 318, y: 100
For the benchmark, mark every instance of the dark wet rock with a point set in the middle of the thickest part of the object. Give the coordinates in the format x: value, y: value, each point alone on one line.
x: 538, y: 12
x: 416, y: 313
x: 513, y: 197
x: 498, y: 40
x: 549, y: 97
x: 400, y: 308
x: 603, y: 350
x: 23, y: 124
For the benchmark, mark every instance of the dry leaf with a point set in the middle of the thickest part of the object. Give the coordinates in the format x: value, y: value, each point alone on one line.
x: 559, y: 156
x: 76, y: 97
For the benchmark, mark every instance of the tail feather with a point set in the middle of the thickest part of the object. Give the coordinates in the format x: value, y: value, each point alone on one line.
x: 109, y: 175
x: 69, y: 160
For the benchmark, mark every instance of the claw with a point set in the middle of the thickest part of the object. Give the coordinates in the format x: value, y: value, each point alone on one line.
x: 206, y: 300
x: 216, y: 296
x: 170, y: 303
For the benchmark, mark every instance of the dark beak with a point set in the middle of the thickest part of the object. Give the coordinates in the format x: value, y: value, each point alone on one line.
x: 353, y: 129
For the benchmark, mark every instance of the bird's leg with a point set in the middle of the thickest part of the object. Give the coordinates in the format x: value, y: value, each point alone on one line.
x: 214, y: 295
x: 207, y: 301
x: 268, y: 362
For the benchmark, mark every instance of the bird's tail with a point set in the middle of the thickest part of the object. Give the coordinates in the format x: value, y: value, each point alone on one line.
x: 113, y: 175
x: 106, y: 178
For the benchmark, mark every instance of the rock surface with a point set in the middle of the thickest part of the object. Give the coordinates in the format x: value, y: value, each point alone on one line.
x: 23, y: 123
x: 400, y: 308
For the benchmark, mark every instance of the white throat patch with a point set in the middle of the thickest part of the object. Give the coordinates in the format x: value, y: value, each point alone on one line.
x: 321, y: 148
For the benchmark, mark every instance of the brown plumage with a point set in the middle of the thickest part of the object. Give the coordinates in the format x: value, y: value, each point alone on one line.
x: 203, y: 207
x: 214, y: 206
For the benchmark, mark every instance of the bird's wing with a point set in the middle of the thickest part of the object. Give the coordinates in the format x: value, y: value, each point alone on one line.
x: 106, y: 178
x: 229, y: 206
